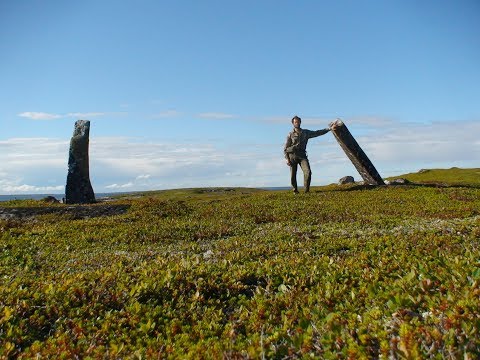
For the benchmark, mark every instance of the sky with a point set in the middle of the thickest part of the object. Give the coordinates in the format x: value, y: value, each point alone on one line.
x: 201, y: 93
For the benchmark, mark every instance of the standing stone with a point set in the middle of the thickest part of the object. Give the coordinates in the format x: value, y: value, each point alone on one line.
x: 356, y: 155
x: 79, y: 189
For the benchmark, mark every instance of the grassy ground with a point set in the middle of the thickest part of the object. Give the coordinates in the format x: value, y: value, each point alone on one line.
x: 343, y: 272
x: 453, y: 176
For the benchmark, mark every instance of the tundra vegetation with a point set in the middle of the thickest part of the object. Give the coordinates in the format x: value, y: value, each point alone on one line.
x: 343, y: 272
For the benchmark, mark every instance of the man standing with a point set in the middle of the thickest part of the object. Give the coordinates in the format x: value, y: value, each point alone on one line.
x: 296, y: 152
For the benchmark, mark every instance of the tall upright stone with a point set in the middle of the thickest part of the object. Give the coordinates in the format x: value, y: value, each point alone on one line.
x: 355, y: 153
x: 79, y: 189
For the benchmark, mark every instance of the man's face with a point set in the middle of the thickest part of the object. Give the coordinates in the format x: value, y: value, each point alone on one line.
x: 296, y: 123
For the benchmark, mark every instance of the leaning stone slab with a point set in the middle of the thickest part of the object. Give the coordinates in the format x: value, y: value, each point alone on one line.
x: 355, y: 153
x: 79, y: 189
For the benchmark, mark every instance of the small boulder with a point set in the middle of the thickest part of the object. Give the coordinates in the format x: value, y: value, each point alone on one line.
x: 346, y: 180
x: 50, y: 199
x: 399, y: 181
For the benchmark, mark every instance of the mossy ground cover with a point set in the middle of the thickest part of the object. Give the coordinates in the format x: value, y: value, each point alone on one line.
x: 385, y: 272
x: 452, y: 176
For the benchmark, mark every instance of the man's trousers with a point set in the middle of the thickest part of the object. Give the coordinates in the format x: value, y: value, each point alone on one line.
x: 295, y: 160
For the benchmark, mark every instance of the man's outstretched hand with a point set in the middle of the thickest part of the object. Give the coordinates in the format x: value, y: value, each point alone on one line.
x: 334, y: 124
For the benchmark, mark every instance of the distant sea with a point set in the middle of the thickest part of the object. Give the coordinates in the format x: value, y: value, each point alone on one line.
x: 97, y: 195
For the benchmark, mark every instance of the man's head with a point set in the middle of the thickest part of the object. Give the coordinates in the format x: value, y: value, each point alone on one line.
x: 296, y: 121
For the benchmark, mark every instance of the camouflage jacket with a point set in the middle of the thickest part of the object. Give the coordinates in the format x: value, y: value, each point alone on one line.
x: 297, y: 141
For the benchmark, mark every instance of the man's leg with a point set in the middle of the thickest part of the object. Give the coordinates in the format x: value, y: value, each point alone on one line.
x: 293, y: 174
x: 307, y: 174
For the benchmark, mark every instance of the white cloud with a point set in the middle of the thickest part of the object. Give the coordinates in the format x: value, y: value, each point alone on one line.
x: 49, y: 116
x: 140, y: 182
x: 145, y: 176
x: 85, y: 114
x: 308, y: 122
x: 31, y: 189
x: 33, y: 151
x: 425, y: 142
x: 371, y: 121
x: 39, y: 115
x: 274, y: 119
x: 33, y: 165
x: 119, y: 187
x: 122, y: 163
x: 216, y: 116
x: 323, y: 121
x: 166, y: 114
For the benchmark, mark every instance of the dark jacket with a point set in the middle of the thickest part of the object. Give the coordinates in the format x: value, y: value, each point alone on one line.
x: 297, y: 141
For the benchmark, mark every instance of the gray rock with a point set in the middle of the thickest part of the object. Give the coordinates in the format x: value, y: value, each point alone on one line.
x: 50, y: 199
x: 79, y: 189
x: 346, y: 180
x: 399, y: 181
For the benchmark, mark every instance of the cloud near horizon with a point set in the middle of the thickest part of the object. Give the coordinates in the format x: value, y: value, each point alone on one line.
x: 31, y: 189
x: 51, y: 116
x: 39, y: 115
x: 216, y: 116
x: 37, y: 165
x: 166, y: 114
x: 323, y: 121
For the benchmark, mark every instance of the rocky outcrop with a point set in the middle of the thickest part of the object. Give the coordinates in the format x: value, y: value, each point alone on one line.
x: 399, y: 181
x: 79, y: 189
x: 50, y: 199
x: 346, y: 180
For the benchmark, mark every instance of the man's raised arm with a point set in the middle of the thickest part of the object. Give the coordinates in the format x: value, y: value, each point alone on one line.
x: 312, y: 134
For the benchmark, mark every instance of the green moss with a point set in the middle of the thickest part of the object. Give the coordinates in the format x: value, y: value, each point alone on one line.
x: 238, y: 273
x: 452, y: 176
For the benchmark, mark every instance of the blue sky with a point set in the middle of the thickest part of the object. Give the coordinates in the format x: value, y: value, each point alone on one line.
x: 201, y: 93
